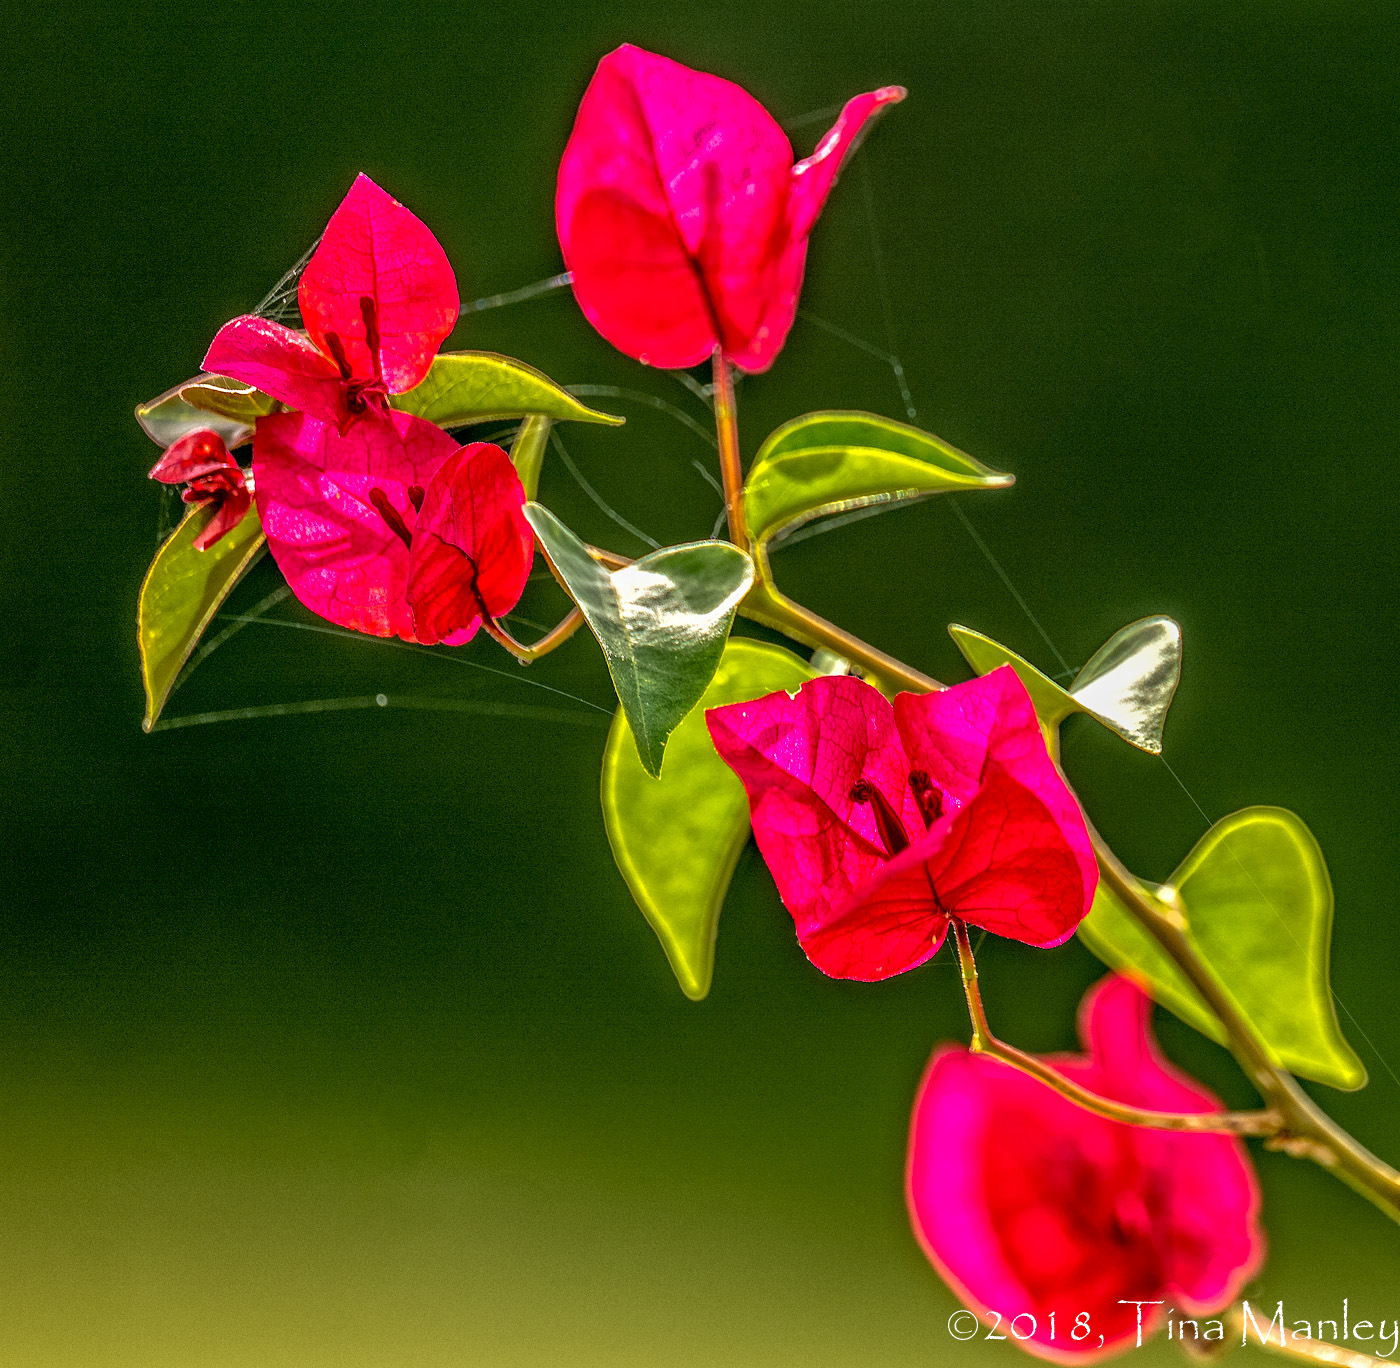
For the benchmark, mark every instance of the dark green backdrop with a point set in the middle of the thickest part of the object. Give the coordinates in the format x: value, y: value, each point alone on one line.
x: 337, y: 1039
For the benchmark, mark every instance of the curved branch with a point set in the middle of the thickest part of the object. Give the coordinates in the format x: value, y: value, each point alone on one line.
x: 1267, y: 1122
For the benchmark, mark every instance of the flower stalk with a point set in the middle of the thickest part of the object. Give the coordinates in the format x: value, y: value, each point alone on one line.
x: 1266, y: 1122
x: 730, y: 467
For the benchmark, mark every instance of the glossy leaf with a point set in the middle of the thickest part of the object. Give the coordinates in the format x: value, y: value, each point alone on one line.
x: 478, y: 387
x: 662, y: 622
x: 1127, y: 685
x: 676, y: 839
x: 829, y: 462
x: 182, y: 591
x: 1258, y: 905
x: 228, y: 407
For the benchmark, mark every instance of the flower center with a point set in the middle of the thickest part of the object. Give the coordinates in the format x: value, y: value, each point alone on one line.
x: 887, y: 821
x: 391, y: 515
x: 928, y: 798
x: 361, y: 394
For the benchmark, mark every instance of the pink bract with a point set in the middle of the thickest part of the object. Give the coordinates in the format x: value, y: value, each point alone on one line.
x: 472, y: 548
x: 682, y: 216
x: 1029, y: 1205
x: 201, y: 462
x: 881, y: 822
x: 327, y: 527
x: 378, y: 298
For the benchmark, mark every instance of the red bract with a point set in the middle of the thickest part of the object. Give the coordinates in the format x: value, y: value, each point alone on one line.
x: 682, y: 216
x: 880, y: 823
x: 341, y: 513
x: 1059, y: 1222
x: 472, y: 549
x: 377, y: 298
x: 201, y: 462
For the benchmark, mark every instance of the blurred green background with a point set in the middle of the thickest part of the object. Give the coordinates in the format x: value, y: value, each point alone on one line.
x: 337, y: 1039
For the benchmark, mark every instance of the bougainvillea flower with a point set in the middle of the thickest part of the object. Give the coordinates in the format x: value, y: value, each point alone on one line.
x: 1057, y: 1223
x: 377, y: 298
x: 682, y: 216
x: 203, y: 464
x: 471, y: 548
x: 881, y: 822
x: 341, y: 509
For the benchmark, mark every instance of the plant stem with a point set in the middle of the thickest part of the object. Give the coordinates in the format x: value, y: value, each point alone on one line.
x: 1308, y: 1132
x: 984, y: 1042
x: 730, y: 466
x: 526, y: 655
x: 1300, y: 1127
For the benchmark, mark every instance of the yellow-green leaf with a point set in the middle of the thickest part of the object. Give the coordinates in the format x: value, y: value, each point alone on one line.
x: 826, y: 463
x: 181, y: 593
x: 1258, y: 905
x: 1127, y: 685
x: 227, y: 406
x: 479, y: 387
x: 676, y: 839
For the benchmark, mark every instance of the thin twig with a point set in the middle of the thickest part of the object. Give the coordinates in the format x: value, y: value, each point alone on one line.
x: 1266, y: 1122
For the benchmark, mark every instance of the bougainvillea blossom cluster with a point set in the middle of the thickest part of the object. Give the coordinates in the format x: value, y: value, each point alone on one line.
x: 379, y: 521
x: 1086, y: 1229
x: 882, y: 821
x: 378, y: 297
x: 682, y: 216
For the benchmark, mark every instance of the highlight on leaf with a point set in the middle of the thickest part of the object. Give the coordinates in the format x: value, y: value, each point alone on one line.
x: 182, y: 591
x: 676, y: 839
x: 228, y: 407
x: 1257, y: 901
x: 831, y: 462
x: 1128, y: 684
x: 662, y: 622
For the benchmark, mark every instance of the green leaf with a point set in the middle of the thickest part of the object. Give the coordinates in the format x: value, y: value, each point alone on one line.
x: 477, y: 387
x: 1258, y: 907
x: 181, y: 593
x: 662, y: 622
x: 1127, y: 685
x: 676, y: 839
x: 829, y: 462
x: 227, y: 406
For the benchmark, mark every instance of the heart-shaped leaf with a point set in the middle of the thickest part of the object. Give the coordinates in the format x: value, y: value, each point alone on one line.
x: 829, y: 462
x: 1258, y: 907
x: 662, y: 622
x: 1127, y: 685
x: 478, y: 387
x: 228, y: 407
x: 181, y: 593
x: 676, y: 839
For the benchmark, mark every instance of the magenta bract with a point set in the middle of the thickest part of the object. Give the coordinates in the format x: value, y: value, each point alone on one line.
x: 881, y: 822
x: 1033, y: 1208
x: 682, y: 216
x: 390, y: 528
x: 378, y: 297
x: 472, y: 548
